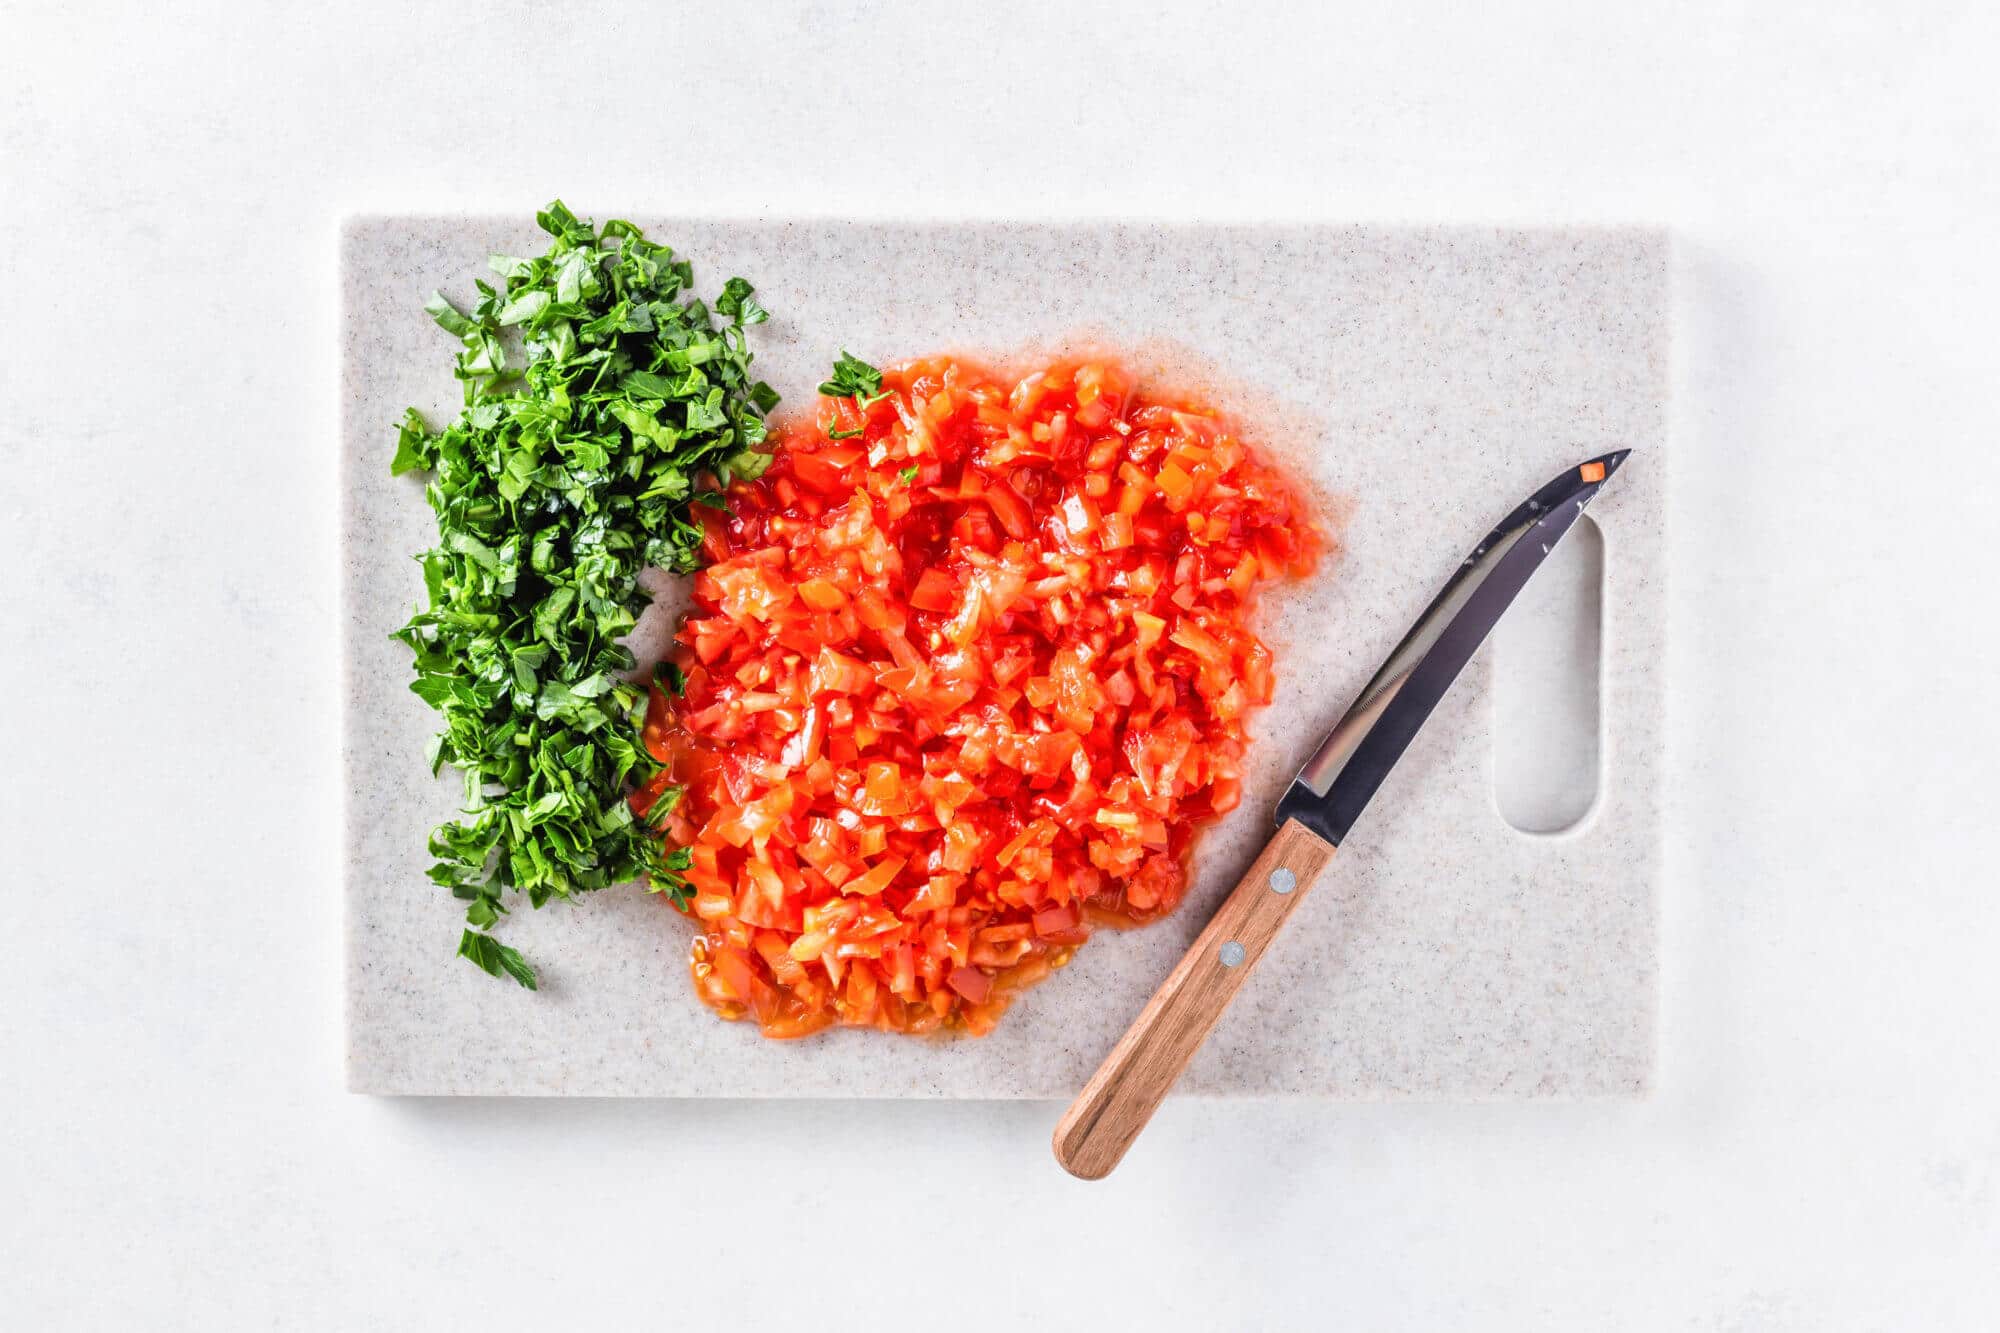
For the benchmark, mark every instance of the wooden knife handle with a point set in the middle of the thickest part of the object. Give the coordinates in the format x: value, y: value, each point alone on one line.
x: 1129, y: 1086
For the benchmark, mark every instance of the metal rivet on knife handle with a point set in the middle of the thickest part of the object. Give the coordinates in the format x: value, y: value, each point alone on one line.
x: 1283, y: 880
x: 1231, y: 954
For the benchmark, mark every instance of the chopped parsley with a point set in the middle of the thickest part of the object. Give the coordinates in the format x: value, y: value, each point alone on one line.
x: 600, y: 392
x: 852, y: 378
x: 495, y: 957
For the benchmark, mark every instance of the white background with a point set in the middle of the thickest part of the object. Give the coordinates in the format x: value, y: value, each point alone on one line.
x: 1824, y: 1147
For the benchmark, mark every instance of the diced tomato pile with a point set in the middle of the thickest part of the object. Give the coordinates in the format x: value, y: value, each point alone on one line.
x: 967, y: 673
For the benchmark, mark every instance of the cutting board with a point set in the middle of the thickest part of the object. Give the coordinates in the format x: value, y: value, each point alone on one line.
x: 1421, y: 380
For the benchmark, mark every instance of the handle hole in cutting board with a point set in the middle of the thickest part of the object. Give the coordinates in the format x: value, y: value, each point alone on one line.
x: 1547, y: 656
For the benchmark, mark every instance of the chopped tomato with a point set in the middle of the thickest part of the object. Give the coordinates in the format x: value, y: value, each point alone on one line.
x: 935, y: 591
x: 972, y: 983
x: 962, y: 686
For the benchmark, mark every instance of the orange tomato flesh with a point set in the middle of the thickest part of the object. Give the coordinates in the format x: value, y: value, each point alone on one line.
x: 940, y: 722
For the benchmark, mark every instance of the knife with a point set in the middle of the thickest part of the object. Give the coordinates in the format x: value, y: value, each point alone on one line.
x: 1313, y: 819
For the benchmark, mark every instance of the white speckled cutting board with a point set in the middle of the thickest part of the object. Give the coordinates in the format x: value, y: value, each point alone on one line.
x: 1423, y: 379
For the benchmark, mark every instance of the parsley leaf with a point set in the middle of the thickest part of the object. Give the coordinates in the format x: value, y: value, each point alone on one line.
x: 846, y: 434
x: 495, y: 957
x: 908, y: 474
x: 852, y: 378
x: 680, y: 858
x: 736, y: 303
x: 601, y: 398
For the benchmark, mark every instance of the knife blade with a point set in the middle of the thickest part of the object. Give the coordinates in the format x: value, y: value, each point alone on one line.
x: 1314, y: 817
x: 1342, y: 775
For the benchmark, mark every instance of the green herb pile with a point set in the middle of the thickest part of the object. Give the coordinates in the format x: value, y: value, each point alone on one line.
x: 598, y: 390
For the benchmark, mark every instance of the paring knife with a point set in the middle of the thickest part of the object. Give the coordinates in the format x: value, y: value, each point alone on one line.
x: 1313, y: 819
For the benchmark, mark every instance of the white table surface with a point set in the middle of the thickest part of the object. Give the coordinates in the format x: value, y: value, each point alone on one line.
x: 1823, y: 1150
